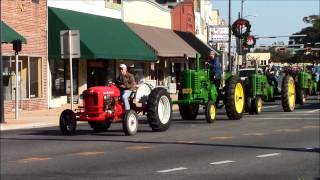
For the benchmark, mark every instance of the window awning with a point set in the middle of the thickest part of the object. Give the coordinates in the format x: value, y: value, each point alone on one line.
x: 9, y: 35
x: 100, y: 37
x: 165, y: 42
x: 197, y: 44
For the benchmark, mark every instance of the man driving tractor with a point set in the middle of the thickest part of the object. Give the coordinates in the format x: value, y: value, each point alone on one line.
x: 215, y: 69
x: 127, y: 84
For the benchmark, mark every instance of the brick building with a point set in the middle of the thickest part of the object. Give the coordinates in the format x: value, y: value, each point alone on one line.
x: 29, y: 19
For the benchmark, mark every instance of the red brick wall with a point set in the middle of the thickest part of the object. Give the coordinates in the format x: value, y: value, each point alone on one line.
x: 30, y: 20
x: 183, y: 18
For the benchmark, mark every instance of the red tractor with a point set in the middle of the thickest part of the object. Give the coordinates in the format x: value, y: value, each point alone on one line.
x: 102, y: 105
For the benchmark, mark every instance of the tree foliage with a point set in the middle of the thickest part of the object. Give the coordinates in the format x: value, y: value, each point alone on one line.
x: 312, y: 32
x: 313, y: 36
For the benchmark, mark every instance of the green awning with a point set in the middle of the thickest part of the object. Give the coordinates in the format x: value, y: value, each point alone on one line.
x: 100, y: 37
x: 9, y: 35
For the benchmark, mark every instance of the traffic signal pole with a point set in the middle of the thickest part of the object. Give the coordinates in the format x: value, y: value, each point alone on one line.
x: 229, y: 41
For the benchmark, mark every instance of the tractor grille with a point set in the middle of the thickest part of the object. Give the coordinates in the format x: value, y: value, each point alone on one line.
x: 258, y: 84
x: 90, y: 99
x: 195, y: 82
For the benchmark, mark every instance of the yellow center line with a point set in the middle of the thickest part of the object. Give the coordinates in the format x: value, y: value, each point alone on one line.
x: 255, y: 134
x: 220, y: 138
x: 137, y: 148
x: 288, y: 130
x: 89, y: 153
x: 33, y: 159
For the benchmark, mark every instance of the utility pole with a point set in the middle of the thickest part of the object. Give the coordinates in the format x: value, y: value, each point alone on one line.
x: 1, y: 78
x: 229, y: 41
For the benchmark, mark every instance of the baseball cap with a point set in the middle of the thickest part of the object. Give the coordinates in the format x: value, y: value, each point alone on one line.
x: 123, y: 66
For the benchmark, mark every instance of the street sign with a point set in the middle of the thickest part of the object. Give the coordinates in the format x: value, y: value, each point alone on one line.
x: 218, y: 34
x: 75, y: 44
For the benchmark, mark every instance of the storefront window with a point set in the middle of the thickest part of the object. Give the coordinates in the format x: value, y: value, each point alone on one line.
x: 60, y: 75
x: 100, y: 72
x: 137, y: 69
x: 29, y: 81
x: 35, y: 77
x: 57, y: 68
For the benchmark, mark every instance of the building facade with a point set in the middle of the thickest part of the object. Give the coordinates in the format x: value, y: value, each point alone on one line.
x: 29, y: 19
x: 86, y: 73
x: 183, y: 17
x: 262, y: 58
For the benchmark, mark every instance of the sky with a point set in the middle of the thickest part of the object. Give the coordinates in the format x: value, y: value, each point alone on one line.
x: 270, y: 17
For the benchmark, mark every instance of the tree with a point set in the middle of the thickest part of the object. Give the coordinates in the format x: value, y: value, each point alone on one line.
x: 313, y: 36
x: 312, y: 32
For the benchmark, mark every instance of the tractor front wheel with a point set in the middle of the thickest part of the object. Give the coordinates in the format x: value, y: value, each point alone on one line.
x: 188, y: 111
x: 288, y: 94
x: 301, y: 96
x: 130, y: 123
x: 257, y: 105
x: 234, y: 98
x: 159, y: 112
x: 211, y: 112
x: 68, y: 122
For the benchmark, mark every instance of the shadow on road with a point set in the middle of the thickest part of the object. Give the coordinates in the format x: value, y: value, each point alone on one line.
x: 313, y: 150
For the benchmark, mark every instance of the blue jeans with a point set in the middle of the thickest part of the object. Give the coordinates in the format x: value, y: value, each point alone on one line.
x: 125, y: 98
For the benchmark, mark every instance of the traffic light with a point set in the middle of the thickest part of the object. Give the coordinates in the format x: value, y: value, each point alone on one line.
x: 17, y: 45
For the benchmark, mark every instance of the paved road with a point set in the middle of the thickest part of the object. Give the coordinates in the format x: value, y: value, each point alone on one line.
x: 272, y: 145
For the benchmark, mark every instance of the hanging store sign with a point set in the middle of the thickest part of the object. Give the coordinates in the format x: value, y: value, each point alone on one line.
x: 218, y: 34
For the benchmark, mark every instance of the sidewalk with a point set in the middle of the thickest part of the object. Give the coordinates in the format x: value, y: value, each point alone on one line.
x: 33, y: 119
x: 37, y: 119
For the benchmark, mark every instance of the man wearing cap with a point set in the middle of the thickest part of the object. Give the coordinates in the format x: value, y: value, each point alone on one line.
x: 127, y: 83
x: 215, y: 68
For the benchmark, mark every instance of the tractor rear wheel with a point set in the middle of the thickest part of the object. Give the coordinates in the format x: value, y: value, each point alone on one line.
x: 257, y: 105
x: 100, y: 126
x: 188, y: 111
x: 130, y: 123
x: 159, y: 112
x: 211, y: 112
x: 235, y: 98
x: 68, y: 123
x: 301, y: 96
x: 288, y: 94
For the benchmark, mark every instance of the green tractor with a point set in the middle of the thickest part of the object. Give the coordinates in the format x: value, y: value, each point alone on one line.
x: 198, y: 89
x: 306, y: 85
x: 259, y: 90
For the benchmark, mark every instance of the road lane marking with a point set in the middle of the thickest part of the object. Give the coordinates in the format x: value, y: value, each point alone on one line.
x: 268, y: 155
x: 186, y: 142
x: 266, y: 107
x: 287, y: 130
x: 173, y: 169
x: 89, y: 153
x: 255, y: 134
x: 137, y: 148
x: 311, y: 127
x: 220, y: 138
x: 33, y: 159
x: 312, y: 111
x: 295, y: 114
x: 221, y: 162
